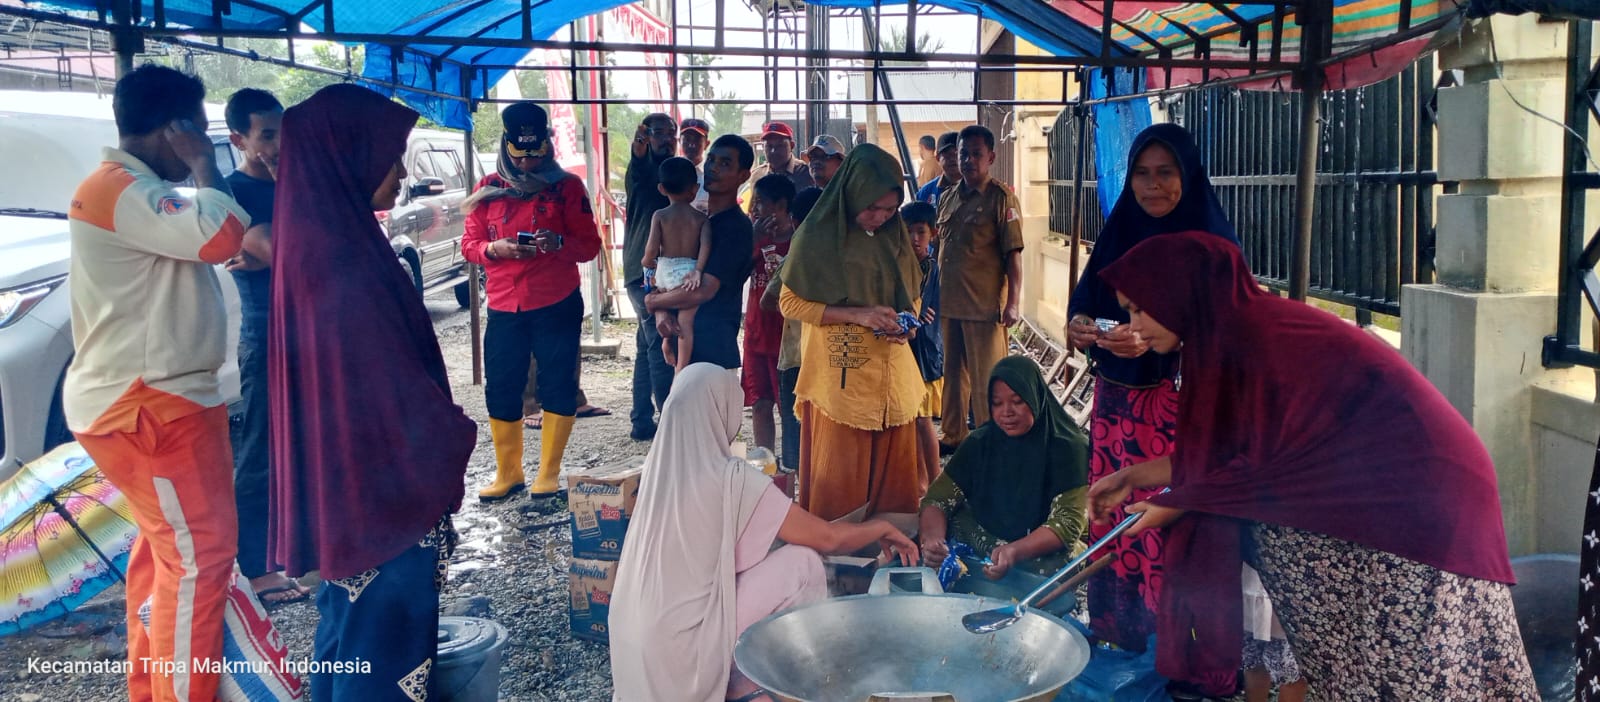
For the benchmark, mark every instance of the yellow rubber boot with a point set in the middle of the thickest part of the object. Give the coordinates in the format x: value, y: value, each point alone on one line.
x: 552, y: 445
x: 508, y: 478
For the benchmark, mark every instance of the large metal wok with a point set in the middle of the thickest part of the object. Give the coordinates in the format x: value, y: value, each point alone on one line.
x: 885, y: 646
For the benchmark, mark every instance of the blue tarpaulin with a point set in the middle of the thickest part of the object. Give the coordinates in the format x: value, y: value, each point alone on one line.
x: 432, y: 68
x: 1116, y: 124
x: 434, y: 71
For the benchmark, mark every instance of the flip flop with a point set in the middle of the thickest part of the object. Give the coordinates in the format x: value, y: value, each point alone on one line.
x: 593, y: 412
x: 533, y: 421
x: 301, y: 594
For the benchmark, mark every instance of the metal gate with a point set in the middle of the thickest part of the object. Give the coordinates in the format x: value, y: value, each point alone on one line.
x: 1074, y: 191
x: 1376, y: 183
x: 1580, y: 249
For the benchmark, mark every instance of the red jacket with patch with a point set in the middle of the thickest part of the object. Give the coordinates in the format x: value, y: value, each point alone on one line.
x: 518, y: 285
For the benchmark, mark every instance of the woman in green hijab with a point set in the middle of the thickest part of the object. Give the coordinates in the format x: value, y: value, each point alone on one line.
x: 849, y: 272
x: 1015, y: 489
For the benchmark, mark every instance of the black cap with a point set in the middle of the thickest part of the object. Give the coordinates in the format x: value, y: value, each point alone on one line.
x: 527, y: 130
x: 947, y: 140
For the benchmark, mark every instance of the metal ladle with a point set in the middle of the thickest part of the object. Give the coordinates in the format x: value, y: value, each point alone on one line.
x: 992, y: 620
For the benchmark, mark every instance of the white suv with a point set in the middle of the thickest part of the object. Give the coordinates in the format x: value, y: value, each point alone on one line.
x: 51, y: 141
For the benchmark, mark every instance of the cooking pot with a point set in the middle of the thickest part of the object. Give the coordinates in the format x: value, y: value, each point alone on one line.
x: 900, y: 646
x: 1014, y: 585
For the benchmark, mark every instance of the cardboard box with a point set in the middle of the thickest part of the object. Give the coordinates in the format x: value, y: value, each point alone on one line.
x: 601, y: 501
x: 589, y: 584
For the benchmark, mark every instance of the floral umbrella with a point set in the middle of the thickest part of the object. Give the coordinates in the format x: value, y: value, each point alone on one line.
x: 65, y: 534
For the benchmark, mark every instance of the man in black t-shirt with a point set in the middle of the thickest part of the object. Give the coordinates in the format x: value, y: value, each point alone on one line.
x: 254, y: 118
x: 654, y: 142
x: 721, y: 291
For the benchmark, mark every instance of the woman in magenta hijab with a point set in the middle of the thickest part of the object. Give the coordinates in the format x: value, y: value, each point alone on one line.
x: 369, y: 451
x: 1320, y: 456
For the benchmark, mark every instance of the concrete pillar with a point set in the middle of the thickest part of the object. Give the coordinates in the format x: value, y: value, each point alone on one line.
x: 1477, y: 333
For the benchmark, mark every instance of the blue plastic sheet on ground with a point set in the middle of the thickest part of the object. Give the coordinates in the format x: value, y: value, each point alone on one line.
x: 1115, y: 126
x: 1115, y: 675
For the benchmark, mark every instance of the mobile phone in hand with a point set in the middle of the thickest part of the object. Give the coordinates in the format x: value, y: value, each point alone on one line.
x: 1106, y: 325
x: 552, y: 237
x: 524, y: 238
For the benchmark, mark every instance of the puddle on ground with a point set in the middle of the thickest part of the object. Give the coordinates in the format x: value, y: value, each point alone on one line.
x: 483, y: 536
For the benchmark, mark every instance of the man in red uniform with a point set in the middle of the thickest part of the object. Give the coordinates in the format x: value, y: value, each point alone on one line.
x: 530, y: 225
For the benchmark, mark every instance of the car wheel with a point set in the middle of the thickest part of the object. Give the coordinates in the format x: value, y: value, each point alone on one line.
x: 409, y: 262
x: 56, y: 432
x: 464, y: 290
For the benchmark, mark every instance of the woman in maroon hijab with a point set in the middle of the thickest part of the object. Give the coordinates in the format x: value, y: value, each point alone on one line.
x: 369, y: 452
x: 1315, y: 452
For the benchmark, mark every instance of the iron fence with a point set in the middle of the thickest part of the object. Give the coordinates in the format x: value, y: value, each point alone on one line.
x: 1376, y: 184
x: 1580, y: 246
x: 1074, y: 191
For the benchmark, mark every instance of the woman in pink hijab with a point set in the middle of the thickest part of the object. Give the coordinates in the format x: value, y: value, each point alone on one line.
x: 699, y: 567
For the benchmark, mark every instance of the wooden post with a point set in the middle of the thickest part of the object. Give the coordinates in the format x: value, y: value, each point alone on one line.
x: 126, y: 41
x: 1316, y: 22
x: 1305, y: 193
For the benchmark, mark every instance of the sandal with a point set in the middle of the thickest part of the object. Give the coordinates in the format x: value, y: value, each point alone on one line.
x: 534, y: 421
x: 299, y: 594
x: 592, y: 411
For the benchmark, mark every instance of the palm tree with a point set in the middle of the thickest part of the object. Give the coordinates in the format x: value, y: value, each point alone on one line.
x: 726, y: 118
x: 698, y: 82
x: 896, y: 42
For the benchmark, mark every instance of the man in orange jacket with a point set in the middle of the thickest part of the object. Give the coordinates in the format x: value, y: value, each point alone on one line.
x: 142, y: 395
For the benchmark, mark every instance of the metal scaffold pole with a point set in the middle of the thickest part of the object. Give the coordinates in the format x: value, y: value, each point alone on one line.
x: 474, y: 272
x: 591, y: 134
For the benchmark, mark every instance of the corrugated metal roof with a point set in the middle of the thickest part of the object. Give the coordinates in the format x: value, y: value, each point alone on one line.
x: 909, y: 88
x: 755, y: 116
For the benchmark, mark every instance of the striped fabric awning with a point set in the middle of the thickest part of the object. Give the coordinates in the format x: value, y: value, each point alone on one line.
x: 1373, y: 39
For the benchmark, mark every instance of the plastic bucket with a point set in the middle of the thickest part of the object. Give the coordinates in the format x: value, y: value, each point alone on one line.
x: 1546, y: 599
x: 467, y: 668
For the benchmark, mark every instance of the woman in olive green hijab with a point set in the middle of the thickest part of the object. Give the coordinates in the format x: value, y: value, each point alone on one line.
x: 850, y: 271
x: 1015, y: 490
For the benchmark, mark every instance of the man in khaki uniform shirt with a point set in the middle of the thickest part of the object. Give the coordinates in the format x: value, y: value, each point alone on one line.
x: 779, y: 141
x: 980, y: 257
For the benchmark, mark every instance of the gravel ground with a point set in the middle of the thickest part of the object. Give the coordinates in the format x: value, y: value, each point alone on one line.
x: 520, y: 576
x: 507, y: 568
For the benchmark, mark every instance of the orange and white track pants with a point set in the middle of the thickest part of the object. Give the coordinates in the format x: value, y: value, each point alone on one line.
x: 178, y: 477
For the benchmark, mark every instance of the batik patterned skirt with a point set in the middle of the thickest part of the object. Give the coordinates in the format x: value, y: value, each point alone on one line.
x: 1369, y: 625
x: 1131, y: 425
x: 382, y: 625
x: 1588, y: 630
